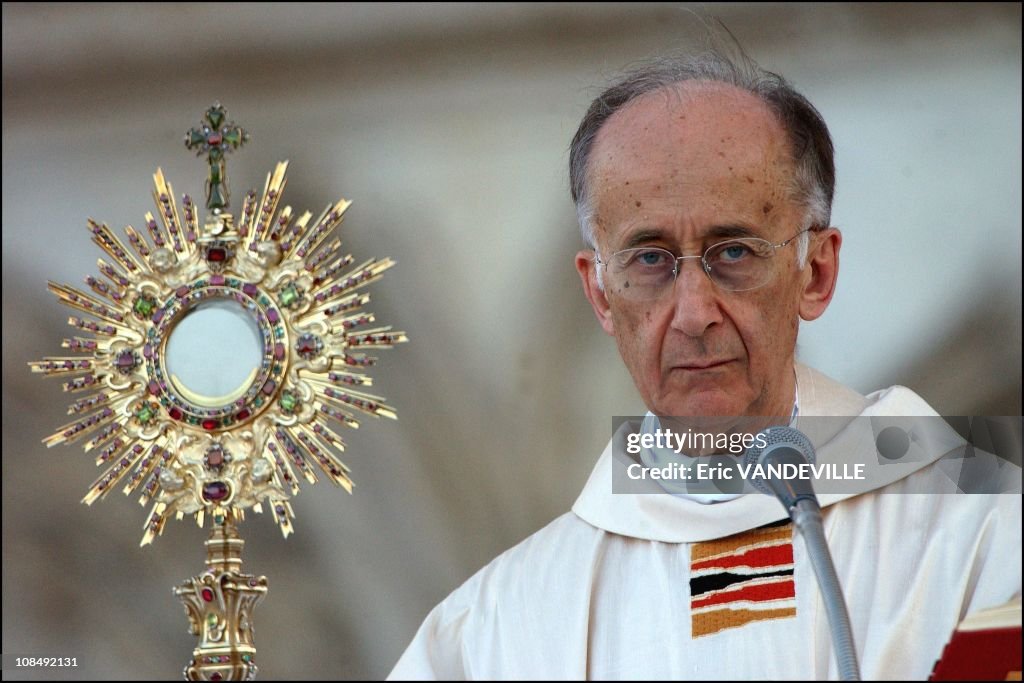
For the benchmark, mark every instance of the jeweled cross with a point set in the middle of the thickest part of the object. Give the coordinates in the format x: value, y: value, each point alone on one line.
x: 215, y: 137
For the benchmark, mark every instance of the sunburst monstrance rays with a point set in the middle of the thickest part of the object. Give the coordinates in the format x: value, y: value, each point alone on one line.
x: 306, y: 298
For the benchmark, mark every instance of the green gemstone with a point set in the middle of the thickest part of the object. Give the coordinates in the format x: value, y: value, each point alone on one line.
x: 215, y: 154
x: 233, y: 137
x: 196, y: 137
x: 246, y: 658
x: 288, y: 401
x: 219, y: 519
x: 215, y: 115
x: 211, y: 620
x: 217, y: 199
x: 144, y: 306
x: 144, y: 414
x: 289, y: 295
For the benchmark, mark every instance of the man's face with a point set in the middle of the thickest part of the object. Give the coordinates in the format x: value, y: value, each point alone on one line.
x: 684, y: 170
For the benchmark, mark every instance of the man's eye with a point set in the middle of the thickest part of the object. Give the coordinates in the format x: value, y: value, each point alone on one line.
x: 650, y: 258
x: 734, y: 252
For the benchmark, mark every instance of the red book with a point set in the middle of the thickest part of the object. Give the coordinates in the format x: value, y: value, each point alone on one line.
x: 986, y: 646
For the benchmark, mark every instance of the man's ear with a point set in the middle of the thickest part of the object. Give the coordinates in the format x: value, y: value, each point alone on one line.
x: 820, y: 273
x: 586, y: 266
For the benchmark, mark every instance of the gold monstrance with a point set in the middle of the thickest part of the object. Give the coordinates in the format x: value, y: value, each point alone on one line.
x: 206, y: 448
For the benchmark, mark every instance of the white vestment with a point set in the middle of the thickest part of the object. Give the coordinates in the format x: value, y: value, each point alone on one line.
x: 661, y: 587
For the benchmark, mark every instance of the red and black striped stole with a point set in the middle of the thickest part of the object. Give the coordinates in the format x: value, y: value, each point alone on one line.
x: 742, y: 579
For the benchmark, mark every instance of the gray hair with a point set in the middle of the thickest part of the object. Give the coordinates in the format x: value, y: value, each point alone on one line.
x: 810, y: 142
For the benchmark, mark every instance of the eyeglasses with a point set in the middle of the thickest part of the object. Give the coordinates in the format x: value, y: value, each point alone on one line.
x: 737, y: 265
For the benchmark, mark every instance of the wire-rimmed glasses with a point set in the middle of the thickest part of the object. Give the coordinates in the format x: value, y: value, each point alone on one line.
x: 735, y: 265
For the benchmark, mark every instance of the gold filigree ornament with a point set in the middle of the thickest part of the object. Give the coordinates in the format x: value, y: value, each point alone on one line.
x: 212, y: 454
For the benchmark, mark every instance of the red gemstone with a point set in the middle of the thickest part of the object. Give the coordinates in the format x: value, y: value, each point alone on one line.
x: 207, y: 595
x: 242, y: 415
x: 279, y: 351
x: 215, y: 458
x: 216, y: 254
x: 175, y: 414
x: 213, y: 139
x: 215, y: 490
x: 216, y: 279
x: 210, y: 424
x: 306, y: 345
x: 215, y: 676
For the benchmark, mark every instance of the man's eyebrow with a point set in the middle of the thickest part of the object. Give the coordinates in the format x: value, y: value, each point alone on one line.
x: 644, y: 236
x: 731, y: 230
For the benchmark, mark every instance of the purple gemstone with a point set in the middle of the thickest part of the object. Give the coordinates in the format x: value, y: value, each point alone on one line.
x: 215, y: 457
x: 125, y: 360
x: 216, y: 279
x: 182, y: 291
x: 147, y: 351
x: 154, y: 388
x: 279, y: 351
x: 250, y: 289
x: 158, y: 315
x: 269, y: 387
x: 272, y: 315
x: 215, y: 490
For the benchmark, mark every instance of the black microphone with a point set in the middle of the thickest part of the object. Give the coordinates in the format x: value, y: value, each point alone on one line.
x: 784, y: 446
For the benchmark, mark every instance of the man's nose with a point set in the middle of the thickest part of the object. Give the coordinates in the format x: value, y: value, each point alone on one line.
x: 694, y: 298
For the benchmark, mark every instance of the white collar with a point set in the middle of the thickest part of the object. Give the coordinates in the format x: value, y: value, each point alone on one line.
x: 651, y: 516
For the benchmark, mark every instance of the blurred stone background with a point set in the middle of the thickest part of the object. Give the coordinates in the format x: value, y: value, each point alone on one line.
x: 448, y: 125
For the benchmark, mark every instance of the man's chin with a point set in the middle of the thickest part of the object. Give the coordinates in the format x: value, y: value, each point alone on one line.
x: 717, y: 392
x: 708, y: 403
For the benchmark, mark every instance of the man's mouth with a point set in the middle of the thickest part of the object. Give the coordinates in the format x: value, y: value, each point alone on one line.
x: 702, y: 365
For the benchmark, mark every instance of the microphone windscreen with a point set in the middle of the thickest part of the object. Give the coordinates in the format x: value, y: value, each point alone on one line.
x: 771, y: 438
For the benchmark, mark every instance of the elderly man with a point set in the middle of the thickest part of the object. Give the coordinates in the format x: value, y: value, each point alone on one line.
x: 704, y: 188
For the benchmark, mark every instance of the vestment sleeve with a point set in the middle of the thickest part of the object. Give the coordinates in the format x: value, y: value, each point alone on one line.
x: 995, y: 575
x: 435, y: 653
